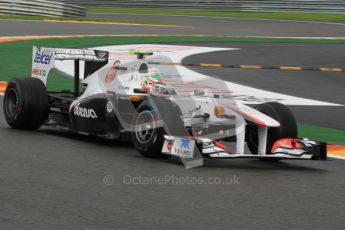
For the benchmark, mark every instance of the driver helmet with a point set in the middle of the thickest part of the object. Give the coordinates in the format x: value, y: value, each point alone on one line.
x: 152, y: 81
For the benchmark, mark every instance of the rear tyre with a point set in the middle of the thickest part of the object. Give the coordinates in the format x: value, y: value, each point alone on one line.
x: 147, y: 136
x: 288, y: 127
x: 25, y: 103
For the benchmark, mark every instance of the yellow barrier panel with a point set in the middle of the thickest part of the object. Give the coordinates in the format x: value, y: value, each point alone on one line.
x: 210, y: 65
x: 250, y: 67
x: 290, y: 68
x: 331, y: 69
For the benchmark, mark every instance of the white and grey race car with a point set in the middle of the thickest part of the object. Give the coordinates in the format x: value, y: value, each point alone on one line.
x: 133, y: 97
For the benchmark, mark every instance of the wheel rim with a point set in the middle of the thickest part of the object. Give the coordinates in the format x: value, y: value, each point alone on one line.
x: 11, y: 103
x: 145, y: 127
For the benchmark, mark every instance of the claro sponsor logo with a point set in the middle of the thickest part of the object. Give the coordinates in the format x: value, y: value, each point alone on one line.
x: 37, y: 71
x: 84, y: 112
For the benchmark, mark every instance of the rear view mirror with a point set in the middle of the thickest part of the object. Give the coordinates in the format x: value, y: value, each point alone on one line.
x: 121, y: 68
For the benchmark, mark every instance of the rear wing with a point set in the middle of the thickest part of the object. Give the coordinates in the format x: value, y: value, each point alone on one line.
x: 43, y: 59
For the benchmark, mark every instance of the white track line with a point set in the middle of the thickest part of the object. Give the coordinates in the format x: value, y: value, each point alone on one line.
x: 336, y: 156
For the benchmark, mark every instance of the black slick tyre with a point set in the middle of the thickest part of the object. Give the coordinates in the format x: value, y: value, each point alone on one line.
x: 25, y: 103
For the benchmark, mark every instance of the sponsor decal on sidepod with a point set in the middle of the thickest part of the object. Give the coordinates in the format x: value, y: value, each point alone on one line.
x: 109, y: 106
x: 84, y: 112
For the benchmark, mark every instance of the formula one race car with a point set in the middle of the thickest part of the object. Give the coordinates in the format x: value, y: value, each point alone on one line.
x: 133, y: 97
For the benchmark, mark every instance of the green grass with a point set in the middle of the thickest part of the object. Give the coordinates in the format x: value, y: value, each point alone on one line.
x: 210, y: 13
x: 22, y: 17
x: 332, y: 136
x: 16, y: 62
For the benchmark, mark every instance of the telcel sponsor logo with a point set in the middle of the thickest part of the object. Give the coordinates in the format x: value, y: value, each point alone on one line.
x: 84, y: 112
x: 42, y: 58
x: 40, y: 72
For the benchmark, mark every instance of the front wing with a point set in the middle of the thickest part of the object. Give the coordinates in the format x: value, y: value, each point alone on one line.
x: 286, y: 148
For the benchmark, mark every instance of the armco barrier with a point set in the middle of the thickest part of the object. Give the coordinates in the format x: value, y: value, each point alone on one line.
x: 330, y: 6
x: 41, y: 8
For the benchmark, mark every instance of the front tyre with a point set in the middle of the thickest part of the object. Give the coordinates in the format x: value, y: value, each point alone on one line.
x: 147, y: 138
x: 288, y: 127
x: 25, y: 103
x: 148, y: 131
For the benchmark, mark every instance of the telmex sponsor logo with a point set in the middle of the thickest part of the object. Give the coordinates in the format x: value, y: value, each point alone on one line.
x: 84, y: 112
x: 184, y: 143
x: 40, y: 72
x: 42, y: 58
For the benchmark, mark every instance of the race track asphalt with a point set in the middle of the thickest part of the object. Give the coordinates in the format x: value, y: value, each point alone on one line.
x: 191, y: 25
x: 322, y: 86
x: 237, y: 26
x: 53, y: 180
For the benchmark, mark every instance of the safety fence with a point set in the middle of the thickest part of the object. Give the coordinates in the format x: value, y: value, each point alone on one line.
x: 41, y: 8
x: 224, y: 5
